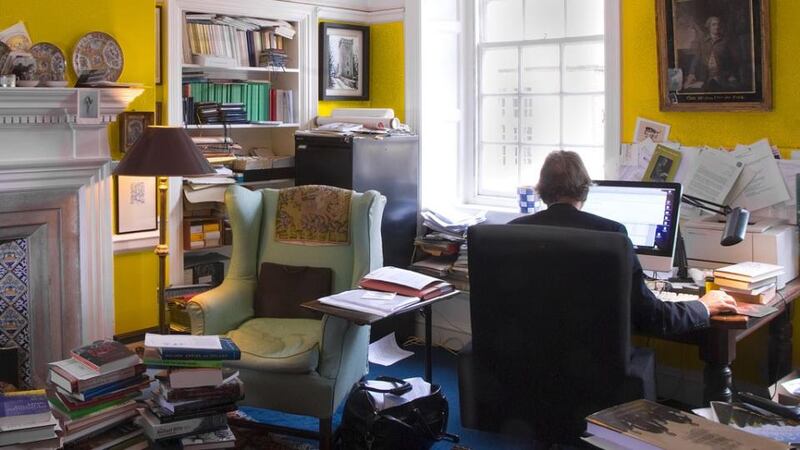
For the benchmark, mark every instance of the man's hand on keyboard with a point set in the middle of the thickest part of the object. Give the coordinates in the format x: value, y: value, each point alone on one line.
x: 718, y: 302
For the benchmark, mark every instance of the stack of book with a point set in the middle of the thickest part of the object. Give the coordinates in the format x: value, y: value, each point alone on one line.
x: 252, y: 97
x: 388, y: 290
x: 193, y: 393
x: 92, y: 394
x: 749, y: 282
x: 26, y: 421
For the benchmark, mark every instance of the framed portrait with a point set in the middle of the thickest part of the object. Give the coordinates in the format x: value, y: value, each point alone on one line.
x: 663, y: 164
x: 343, y: 62
x: 713, y: 55
x: 131, y: 127
x: 136, y: 204
x: 87, y: 106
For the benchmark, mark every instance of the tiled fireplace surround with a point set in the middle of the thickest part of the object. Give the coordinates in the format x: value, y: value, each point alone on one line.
x: 56, y: 258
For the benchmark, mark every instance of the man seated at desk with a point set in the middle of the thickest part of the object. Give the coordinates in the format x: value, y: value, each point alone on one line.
x: 563, y: 186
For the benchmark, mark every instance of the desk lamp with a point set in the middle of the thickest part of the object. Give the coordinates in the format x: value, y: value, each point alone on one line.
x: 735, y: 228
x: 163, y: 152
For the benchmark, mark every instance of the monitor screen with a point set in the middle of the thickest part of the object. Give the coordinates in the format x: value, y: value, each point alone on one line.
x: 649, y: 211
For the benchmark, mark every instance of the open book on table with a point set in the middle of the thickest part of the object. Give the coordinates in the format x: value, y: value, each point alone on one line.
x: 371, y: 302
x: 405, y: 283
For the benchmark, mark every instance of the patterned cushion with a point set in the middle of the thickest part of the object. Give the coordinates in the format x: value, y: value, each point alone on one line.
x: 278, y: 345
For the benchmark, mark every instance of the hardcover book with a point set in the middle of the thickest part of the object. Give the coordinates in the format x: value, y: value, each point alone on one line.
x: 106, y: 356
x: 74, y: 376
x: 156, y: 430
x: 229, y: 351
x: 23, y: 403
x: 223, y: 438
x: 233, y: 389
x: 165, y: 416
x: 153, y: 359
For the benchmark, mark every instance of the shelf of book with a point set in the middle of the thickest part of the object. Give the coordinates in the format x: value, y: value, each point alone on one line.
x: 243, y: 68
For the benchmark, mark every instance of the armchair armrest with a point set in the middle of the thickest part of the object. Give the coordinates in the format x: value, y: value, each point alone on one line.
x: 223, y: 308
x: 343, y: 351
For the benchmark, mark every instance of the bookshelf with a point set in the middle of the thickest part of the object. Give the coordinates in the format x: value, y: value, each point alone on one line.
x: 298, y: 76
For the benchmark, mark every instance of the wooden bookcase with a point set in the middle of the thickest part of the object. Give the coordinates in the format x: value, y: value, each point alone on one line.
x: 299, y: 76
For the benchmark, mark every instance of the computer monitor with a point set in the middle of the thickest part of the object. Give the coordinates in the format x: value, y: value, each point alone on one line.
x: 649, y: 211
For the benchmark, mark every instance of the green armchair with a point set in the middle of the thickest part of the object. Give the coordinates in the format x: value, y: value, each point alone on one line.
x: 299, y: 366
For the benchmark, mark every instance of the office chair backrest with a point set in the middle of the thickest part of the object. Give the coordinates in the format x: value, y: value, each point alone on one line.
x: 550, y: 313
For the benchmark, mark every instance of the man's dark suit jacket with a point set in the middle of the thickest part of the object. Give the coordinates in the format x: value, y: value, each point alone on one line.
x: 648, y: 314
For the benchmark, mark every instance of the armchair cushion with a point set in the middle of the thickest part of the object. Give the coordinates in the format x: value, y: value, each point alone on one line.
x: 278, y: 345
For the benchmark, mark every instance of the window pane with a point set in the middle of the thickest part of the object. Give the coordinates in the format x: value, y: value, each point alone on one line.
x: 532, y: 158
x: 541, y: 116
x: 541, y: 69
x: 583, y: 118
x: 498, y: 170
x: 585, y: 17
x: 440, y: 10
x: 500, y: 72
x: 502, y: 20
x: 500, y: 119
x: 544, y: 19
x: 584, y: 67
x: 593, y: 158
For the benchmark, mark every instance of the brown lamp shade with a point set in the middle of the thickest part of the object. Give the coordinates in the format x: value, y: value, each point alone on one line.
x: 165, y: 152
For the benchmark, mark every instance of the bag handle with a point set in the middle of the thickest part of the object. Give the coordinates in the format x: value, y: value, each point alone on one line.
x: 431, y: 435
x: 401, y: 386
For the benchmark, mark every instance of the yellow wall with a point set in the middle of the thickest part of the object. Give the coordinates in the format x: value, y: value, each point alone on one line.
x: 781, y: 126
x: 63, y: 22
x: 386, y: 72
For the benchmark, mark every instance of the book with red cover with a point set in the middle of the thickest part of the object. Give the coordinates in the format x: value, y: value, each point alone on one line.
x: 106, y: 356
x: 60, y: 376
x: 430, y: 291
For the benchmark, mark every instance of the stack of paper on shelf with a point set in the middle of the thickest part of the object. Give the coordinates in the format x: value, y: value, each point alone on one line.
x: 193, y: 393
x: 750, y: 282
x: 405, y: 282
x: 93, y: 395
x: 25, y: 418
x: 642, y: 424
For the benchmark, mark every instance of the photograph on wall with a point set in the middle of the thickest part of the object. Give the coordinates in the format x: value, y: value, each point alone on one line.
x: 714, y: 55
x: 663, y: 164
x: 87, y: 107
x: 131, y: 127
x: 649, y: 129
x: 344, y: 62
x: 136, y: 204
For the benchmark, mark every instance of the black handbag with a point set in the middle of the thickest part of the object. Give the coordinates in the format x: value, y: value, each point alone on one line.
x: 416, y: 424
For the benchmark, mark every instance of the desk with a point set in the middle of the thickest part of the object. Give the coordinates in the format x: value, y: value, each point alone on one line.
x: 362, y: 318
x: 717, y: 344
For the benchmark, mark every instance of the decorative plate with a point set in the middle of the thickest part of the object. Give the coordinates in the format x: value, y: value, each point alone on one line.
x: 98, y: 51
x: 4, y: 51
x: 50, y: 62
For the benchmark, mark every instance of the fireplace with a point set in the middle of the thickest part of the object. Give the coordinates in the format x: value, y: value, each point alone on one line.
x: 56, y: 257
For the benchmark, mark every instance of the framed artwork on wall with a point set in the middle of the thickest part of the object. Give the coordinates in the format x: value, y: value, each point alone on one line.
x: 343, y: 62
x: 131, y: 126
x: 713, y: 55
x: 88, y: 106
x: 136, y: 204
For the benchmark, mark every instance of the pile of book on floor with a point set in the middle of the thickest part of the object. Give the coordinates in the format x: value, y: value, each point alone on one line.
x: 26, y: 421
x: 642, y: 424
x: 749, y: 282
x: 93, y: 395
x: 193, y: 393
x: 387, y: 290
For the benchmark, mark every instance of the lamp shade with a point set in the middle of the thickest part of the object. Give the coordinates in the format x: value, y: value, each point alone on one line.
x: 164, y: 152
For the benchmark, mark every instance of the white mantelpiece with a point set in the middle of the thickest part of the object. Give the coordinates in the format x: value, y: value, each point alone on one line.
x: 43, y: 148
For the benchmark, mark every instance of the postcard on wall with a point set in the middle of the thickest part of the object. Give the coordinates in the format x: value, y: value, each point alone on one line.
x: 648, y: 129
x: 663, y: 164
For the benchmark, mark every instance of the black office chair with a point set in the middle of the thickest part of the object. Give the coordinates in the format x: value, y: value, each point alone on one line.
x: 550, y: 313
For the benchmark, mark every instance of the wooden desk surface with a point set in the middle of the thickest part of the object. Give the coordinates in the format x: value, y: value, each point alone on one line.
x: 362, y: 318
x: 738, y: 322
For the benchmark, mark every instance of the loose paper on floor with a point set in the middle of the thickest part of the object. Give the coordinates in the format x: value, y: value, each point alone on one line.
x: 386, y: 352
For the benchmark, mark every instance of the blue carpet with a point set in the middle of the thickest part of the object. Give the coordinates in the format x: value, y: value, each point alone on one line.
x: 445, y: 373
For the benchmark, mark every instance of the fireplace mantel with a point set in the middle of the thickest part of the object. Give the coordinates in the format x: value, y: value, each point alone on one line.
x: 44, y: 148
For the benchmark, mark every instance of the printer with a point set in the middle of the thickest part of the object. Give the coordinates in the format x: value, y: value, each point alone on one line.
x: 768, y: 240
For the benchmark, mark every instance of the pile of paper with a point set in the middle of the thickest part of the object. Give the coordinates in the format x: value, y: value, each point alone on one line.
x: 451, y: 221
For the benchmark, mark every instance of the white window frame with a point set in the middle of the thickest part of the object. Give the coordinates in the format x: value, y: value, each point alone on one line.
x: 469, y: 152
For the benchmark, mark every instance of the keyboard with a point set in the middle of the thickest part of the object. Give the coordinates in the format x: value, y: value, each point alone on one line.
x: 669, y: 296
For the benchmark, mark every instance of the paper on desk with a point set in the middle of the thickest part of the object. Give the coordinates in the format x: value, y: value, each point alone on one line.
x: 713, y: 175
x: 182, y: 341
x: 792, y: 386
x: 767, y: 187
x: 386, y: 352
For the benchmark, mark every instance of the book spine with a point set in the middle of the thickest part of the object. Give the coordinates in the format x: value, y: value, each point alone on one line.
x: 23, y: 404
x: 183, y: 363
x: 222, y: 409
x: 129, y: 372
x: 230, y: 391
x: 186, y: 427
x: 205, y: 355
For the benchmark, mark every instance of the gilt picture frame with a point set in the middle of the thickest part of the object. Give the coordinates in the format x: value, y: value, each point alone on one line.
x: 131, y: 127
x: 343, y: 62
x: 714, y: 55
